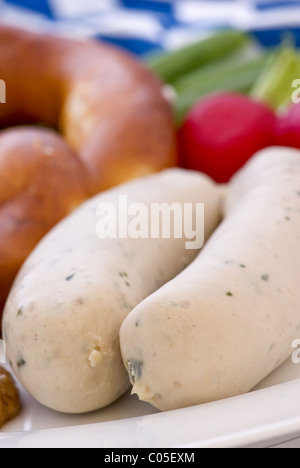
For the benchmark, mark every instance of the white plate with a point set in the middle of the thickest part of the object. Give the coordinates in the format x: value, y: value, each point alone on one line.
x: 270, y: 414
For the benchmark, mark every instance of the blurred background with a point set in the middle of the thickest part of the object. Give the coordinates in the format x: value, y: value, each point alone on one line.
x: 144, y: 26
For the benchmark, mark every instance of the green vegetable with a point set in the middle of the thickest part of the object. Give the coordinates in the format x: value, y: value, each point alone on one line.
x: 170, y: 66
x: 221, y: 76
x: 206, y: 73
x: 274, y: 85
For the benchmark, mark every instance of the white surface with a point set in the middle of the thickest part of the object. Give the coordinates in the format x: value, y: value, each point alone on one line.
x: 261, y: 418
x: 292, y: 444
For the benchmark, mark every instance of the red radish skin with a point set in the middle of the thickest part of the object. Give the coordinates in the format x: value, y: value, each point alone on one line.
x: 287, y: 130
x: 222, y: 132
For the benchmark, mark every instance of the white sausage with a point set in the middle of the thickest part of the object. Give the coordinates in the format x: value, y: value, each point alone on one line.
x: 62, y: 319
x: 230, y: 318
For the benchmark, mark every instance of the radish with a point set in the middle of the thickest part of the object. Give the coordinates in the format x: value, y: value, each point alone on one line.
x: 287, y: 130
x: 222, y: 132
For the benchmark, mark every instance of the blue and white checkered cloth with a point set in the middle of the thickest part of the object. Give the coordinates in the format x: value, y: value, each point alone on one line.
x: 147, y: 25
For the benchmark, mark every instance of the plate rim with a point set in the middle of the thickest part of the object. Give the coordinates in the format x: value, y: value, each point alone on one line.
x: 259, y: 426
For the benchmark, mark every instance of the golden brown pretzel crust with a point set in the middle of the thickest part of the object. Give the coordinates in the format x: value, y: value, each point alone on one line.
x: 109, y: 108
x: 41, y: 182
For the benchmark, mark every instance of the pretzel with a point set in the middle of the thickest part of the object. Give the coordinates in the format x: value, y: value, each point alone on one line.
x: 114, y: 123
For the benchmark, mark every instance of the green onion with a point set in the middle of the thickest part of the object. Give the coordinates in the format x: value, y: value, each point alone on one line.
x: 170, y: 66
x: 220, y: 76
x: 274, y: 85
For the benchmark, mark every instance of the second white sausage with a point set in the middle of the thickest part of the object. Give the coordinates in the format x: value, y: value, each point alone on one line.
x: 230, y: 318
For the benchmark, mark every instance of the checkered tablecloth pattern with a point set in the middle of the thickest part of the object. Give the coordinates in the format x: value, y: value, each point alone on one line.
x: 146, y: 25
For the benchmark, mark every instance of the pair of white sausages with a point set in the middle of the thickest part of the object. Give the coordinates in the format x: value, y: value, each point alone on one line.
x: 214, y: 331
